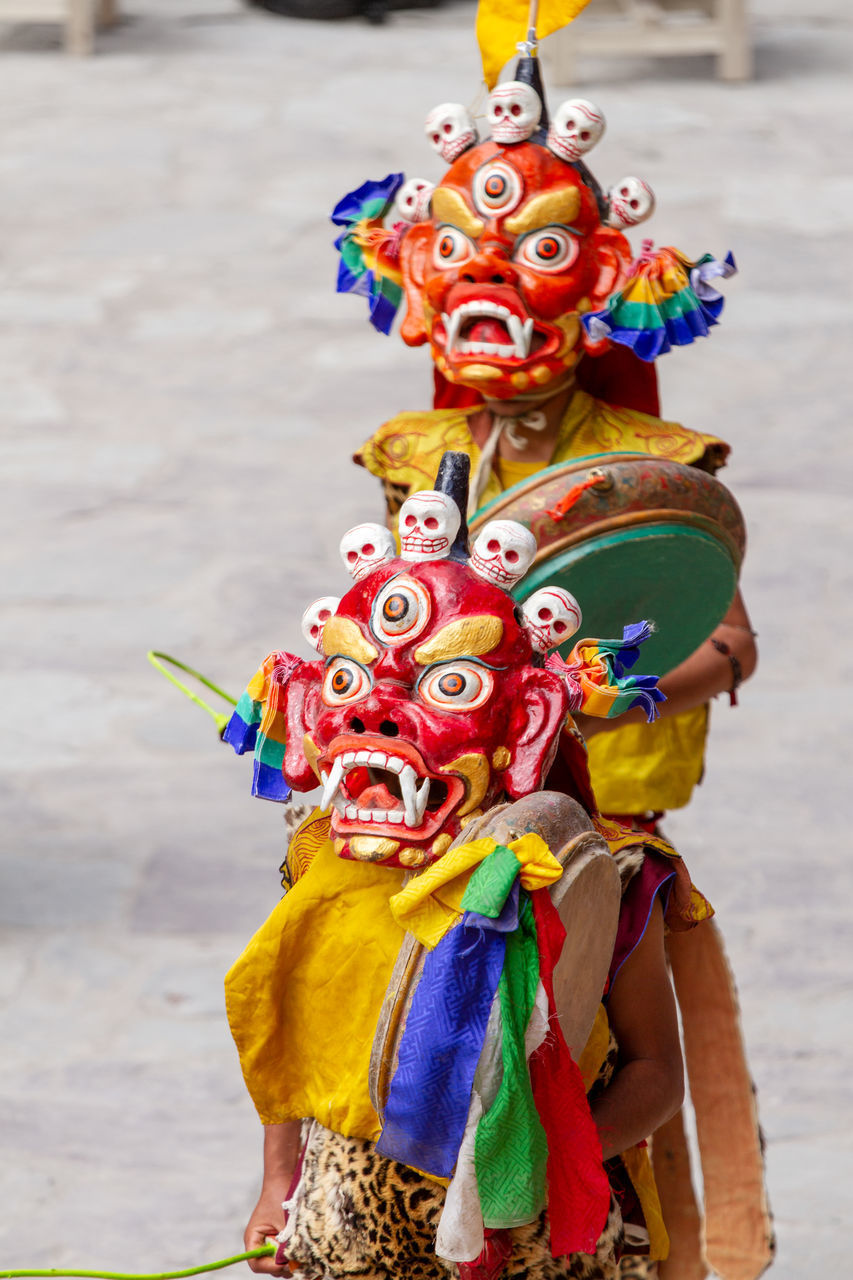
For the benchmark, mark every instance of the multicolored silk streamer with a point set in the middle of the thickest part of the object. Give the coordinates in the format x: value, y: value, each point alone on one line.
x: 596, y: 674
x: 258, y: 725
x: 503, y: 948
x: 669, y: 301
x: 503, y: 24
x: 369, y: 250
x: 430, y: 1091
x: 433, y: 901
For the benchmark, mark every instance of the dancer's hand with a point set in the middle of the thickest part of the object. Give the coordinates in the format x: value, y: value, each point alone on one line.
x: 264, y: 1225
x: 281, y: 1152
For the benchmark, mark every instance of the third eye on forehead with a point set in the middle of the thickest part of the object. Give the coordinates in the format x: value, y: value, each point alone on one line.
x: 395, y: 606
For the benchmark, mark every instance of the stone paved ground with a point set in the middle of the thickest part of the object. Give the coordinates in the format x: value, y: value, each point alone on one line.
x: 179, y: 394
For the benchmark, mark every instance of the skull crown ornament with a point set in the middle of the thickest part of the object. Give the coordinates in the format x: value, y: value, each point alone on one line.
x: 516, y: 263
x: 429, y: 705
x: 432, y: 700
x: 515, y: 247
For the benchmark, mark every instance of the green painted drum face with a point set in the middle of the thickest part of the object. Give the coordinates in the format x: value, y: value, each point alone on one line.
x: 648, y: 539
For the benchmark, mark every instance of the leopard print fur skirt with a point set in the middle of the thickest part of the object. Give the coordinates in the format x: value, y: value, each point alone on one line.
x: 357, y: 1216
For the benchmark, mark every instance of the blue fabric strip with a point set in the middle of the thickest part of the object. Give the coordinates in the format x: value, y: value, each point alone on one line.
x: 382, y: 309
x: 240, y: 735
x: 430, y: 1091
x: 356, y: 204
x: 269, y: 783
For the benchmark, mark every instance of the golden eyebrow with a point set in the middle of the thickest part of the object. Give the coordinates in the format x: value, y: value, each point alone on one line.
x: 561, y: 205
x: 448, y: 206
x: 465, y: 638
x: 342, y: 637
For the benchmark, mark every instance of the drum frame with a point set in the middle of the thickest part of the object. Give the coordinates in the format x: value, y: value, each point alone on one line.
x: 585, y: 516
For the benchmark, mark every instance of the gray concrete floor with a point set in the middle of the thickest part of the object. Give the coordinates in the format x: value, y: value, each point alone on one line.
x: 180, y: 390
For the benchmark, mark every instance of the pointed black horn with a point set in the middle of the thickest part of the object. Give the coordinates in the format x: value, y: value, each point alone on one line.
x: 529, y: 71
x: 452, y: 479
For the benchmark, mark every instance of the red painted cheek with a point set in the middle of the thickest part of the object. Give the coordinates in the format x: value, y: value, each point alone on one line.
x: 553, y: 296
x: 439, y: 285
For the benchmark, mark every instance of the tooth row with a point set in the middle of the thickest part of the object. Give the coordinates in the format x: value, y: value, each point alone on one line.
x: 416, y: 543
x: 483, y: 307
x: 349, y: 759
x: 486, y: 349
x: 355, y: 814
x: 521, y: 331
x: 414, y: 797
x: 489, y: 569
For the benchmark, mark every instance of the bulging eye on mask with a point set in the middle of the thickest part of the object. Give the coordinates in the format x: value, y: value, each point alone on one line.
x: 432, y: 699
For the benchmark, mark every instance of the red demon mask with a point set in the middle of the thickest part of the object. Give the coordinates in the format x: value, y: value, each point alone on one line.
x: 497, y: 279
x: 427, y: 709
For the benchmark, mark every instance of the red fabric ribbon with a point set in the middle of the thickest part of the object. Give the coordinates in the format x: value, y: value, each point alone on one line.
x: 496, y: 1254
x: 578, y: 1189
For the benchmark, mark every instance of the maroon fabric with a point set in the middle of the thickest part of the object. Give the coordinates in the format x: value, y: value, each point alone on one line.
x: 655, y: 877
x: 618, y: 377
x: 569, y: 772
x: 449, y: 395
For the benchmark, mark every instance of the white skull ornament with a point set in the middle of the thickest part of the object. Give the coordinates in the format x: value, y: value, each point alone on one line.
x: 631, y: 202
x: 514, y: 111
x: 503, y: 552
x: 450, y: 130
x: 429, y: 521
x: 576, y: 128
x: 365, y: 548
x: 412, y: 201
x: 552, y: 616
x: 315, y: 618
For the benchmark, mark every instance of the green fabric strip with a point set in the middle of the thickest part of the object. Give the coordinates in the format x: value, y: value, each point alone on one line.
x: 250, y: 712
x: 489, y: 886
x: 390, y: 289
x: 646, y: 315
x: 374, y: 207
x: 680, y: 304
x: 352, y: 254
x: 270, y: 752
x: 510, y: 1148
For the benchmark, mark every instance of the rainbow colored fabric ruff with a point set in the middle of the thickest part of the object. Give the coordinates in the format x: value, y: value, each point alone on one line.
x: 596, y: 674
x: 258, y: 725
x: 369, y: 250
x: 669, y: 301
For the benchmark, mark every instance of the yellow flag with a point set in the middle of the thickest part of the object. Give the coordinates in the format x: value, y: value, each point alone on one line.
x: 502, y: 24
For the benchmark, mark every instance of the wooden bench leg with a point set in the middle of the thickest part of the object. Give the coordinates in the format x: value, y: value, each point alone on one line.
x: 80, y: 27
x: 735, y: 60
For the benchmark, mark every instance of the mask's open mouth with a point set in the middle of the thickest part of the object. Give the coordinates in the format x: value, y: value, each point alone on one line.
x: 381, y: 790
x: 490, y: 330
